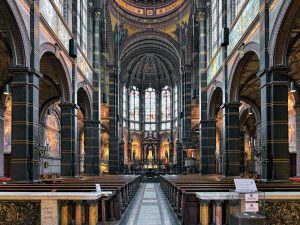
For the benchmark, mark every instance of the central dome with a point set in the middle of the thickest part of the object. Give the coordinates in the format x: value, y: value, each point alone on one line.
x: 149, y: 8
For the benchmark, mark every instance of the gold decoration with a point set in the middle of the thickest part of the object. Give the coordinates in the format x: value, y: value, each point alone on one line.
x: 20, y: 213
x: 282, y: 212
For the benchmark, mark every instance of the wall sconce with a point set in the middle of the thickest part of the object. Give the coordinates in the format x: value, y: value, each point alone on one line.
x: 293, y: 87
x: 250, y: 111
x: 6, y: 89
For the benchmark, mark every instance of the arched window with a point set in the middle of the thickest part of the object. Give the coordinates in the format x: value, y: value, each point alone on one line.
x: 166, y: 108
x: 134, y: 103
x: 150, y: 109
x: 124, y: 106
x: 176, y: 105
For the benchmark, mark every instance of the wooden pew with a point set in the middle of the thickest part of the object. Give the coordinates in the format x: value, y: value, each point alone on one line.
x: 181, y: 192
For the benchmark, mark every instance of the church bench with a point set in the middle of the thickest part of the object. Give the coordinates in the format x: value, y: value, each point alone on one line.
x: 109, y: 206
x: 181, y: 192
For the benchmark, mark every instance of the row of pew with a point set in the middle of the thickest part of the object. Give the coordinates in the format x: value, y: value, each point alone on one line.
x: 181, y: 192
x: 121, y: 189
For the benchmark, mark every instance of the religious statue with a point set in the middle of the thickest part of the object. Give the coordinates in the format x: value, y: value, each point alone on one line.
x: 133, y: 154
x: 166, y: 154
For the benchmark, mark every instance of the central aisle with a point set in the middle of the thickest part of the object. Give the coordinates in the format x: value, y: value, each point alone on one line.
x: 149, y: 207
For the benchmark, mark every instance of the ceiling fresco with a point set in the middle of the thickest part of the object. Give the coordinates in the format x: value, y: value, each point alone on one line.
x: 134, y: 16
x: 150, y: 8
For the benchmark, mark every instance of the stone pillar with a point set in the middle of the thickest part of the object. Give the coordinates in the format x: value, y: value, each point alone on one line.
x: 186, y: 106
x: 92, y: 127
x: 274, y: 123
x: 91, y: 147
x: 121, y: 156
x: 69, y: 151
x: 242, y: 152
x: 179, y: 153
x: 171, y: 147
x: 208, y: 147
x: 25, y: 126
x: 113, y: 123
x: 231, y: 148
x: 2, y: 110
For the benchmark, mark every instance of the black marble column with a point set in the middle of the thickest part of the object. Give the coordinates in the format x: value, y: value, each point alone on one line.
x: 179, y: 155
x: 208, y: 147
x: 231, y: 151
x: 25, y: 126
x: 2, y: 110
x: 92, y: 127
x: 274, y: 123
x: 69, y: 150
x: 91, y: 147
x: 121, y: 157
x: 113, y: 123
x: 242, y: 152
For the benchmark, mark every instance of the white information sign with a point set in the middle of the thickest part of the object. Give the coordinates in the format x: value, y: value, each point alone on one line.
x: 253, y: 197
x: 98, y: 188
x: 251, y: 207
x: 245, y: 185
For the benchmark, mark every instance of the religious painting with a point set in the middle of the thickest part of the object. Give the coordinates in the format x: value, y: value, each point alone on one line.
x: 164, y: 150
x: 7, y: 125
x: 292, y: 123
x: 104, y: 152
x: 136, y: 148
x: 81, y: 148
x: 52, y: 134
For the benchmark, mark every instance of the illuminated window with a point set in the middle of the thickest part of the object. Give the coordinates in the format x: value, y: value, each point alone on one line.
x: 134, y: 108
x: 124, y: 106
x: 165, y: 108
x: 82, y: 24
x: 150, y: 109
x: 176, y: 105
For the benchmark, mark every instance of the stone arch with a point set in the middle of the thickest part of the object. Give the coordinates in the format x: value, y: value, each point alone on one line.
x: 85, y: 100
x: 18, y: 37
x: 278, y: 46
x: 239, y: 68
x: 212, y: 99
x: 65, y: 78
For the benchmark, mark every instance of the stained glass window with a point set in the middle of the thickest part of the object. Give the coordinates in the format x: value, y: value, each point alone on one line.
x: 82, y: 22
x: 176, y: 105
x: 216, y: 25
x: 165, y: 108
x: 150, y: 109
x: 134, y: 104
x: 124, y: 106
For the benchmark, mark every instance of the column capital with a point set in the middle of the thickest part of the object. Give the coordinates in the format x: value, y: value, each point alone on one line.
x: 92, y: 122
x: 277, y: 68
x: 230, y: 105
x: 68, y: 105
x: 19, y: 70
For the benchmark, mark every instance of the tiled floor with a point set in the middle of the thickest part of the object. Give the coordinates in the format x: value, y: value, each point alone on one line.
x: 149, y: 207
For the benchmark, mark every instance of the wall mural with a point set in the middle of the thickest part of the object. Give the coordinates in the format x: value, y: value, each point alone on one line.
x: 7, y: 125
x: 292, y: 123
x: 52, y: 133
x: 104, y: 152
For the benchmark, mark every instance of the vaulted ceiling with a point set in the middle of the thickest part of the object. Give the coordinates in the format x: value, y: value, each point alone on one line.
x: 146, y: 36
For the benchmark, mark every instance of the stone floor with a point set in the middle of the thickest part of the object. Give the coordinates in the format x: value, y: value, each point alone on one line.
x: 149, y: 207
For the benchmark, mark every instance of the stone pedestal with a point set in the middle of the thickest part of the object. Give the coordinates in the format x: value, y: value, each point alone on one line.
x: 49, y: 212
